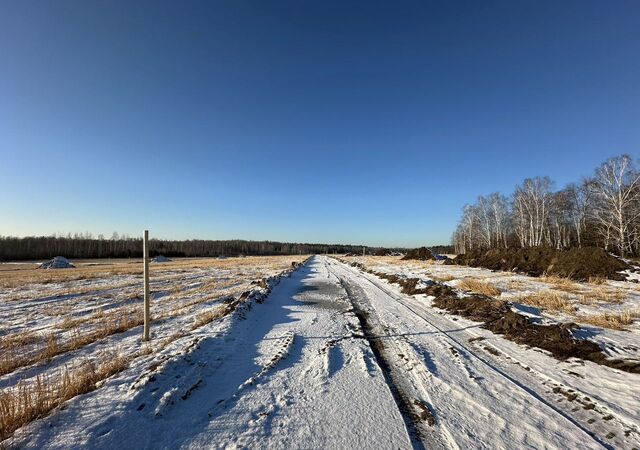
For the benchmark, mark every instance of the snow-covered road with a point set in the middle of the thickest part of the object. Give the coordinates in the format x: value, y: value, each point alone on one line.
x: 333, y: 358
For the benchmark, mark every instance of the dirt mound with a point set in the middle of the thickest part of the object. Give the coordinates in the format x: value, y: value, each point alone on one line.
x: 577, y: 263
x: 420, y: 254
x: 557, y: 339
x: 160, y: 259
x: 59, y: 262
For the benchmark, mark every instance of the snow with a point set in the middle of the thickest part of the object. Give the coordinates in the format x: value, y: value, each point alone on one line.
x: 297, y: 370
x: 59, y: 262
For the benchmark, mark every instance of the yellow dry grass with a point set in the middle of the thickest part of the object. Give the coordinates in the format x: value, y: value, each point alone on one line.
x: 30, y: 400
x: 565, y: 284
x: 597, y: 280
x: 49, y: 345
x: 604, y: 294
x: 209, y: 316
x: 547, y: 299
x: 515, y: 284
x: 442, y: 278
x: 479, y: 287
x: 19, y: 339
x: 616, y: 321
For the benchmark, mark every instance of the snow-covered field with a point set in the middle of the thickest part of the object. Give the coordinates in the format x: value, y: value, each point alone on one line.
x: 333, y: 357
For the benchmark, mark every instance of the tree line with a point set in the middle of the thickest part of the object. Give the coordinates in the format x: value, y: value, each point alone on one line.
x: 601, y: 210
x: 86, y: 246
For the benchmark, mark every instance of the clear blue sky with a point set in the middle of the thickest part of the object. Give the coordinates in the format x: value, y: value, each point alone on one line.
x: 360, y: 122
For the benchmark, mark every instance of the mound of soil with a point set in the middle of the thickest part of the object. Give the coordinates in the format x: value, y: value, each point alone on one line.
x: 420, y: 254
x: 59, y: 262
x: 577, y: 263
x: 160, y: 259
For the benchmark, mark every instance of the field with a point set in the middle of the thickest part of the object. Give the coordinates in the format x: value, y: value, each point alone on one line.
x: 59, y: 324
x: 336, y: 354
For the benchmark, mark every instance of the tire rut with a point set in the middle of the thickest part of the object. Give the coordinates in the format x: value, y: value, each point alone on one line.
x: 416, y: 412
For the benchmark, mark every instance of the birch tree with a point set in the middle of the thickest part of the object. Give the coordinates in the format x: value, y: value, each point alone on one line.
x: 616, y: 192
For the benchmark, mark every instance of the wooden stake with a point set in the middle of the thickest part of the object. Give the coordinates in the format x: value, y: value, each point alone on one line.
x: 147, y: 318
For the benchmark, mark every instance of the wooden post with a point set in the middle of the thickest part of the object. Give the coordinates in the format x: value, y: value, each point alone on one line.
x: 147, y: 318
x: 363, y: 250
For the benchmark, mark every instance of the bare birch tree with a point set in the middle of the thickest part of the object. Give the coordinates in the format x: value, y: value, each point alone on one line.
x: 616, y: 192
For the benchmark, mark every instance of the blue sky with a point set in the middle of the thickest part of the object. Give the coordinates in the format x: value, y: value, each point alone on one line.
x: 358, y: 122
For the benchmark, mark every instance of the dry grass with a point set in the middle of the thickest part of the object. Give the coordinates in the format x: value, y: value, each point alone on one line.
x: 442, y: 278
x: 550, y: 300
x: 597, y: 280
x: 19, y: 339
x: 28, y: 401
x: 49, y: 345
x: 209, y: 316
x: 69, y: 323
x: 516, y: 284
x: 479, y: 287
x: 24, y: 274
x: 564, y: 284
x: 35, y: 398
x: 615, y: 321
x: 603, y: 294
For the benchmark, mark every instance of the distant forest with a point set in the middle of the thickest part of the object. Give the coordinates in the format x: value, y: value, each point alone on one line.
x: 87, y: 246
x: 602, y: 210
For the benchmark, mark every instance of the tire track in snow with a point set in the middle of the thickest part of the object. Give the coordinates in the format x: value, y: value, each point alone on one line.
x: 414, y: 407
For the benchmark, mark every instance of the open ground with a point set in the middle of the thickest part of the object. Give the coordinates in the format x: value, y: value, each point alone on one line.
x: 256, y: 353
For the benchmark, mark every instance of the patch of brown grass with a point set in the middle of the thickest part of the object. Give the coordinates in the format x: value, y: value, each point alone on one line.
x: 551, y: 300
x: 515, y: 284
x: 479, y: 287
x: 69, y: 323
x: 50, y: 345
x: 442, y: 278
x: 615, y: 321
x: 31, y: 400
x: 565, y: 284
x: 20, y: 339
x: 603, y: 294
x: 597, y: 280
x: 209, y: 316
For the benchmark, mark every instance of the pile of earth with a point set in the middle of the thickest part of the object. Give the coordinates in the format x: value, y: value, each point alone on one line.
x: 576, y: 263
x: 420, y: 254
x: 59, y: 262
x: 160, y: 259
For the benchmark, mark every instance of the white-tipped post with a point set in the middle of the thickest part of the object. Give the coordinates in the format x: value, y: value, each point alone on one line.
x: 147, y: 318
